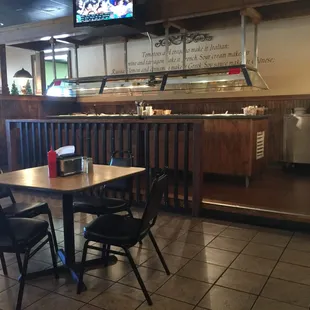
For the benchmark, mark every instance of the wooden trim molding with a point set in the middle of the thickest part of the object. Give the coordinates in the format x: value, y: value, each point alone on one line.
x: 4, y: 88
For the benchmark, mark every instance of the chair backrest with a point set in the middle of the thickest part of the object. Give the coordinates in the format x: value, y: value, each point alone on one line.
x: 5, y: 192
x: 153, y: 202
x: 5, y: 227
x: 123, y: 185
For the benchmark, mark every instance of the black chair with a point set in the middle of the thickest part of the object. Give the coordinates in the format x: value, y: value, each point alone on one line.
x: 27, y: 210
x: 20, y: 236
x: 125, y: 232
x: 106, y: 205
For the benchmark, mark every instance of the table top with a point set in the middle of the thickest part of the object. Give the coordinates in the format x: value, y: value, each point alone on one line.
x: 37, y: 178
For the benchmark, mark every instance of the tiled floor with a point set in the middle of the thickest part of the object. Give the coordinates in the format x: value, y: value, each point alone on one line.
x: 215, y: 265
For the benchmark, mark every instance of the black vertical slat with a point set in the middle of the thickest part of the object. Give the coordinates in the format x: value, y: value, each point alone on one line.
x: 112, y: 139
x: 113, y: 147
x: 120, y: 137
x: 88, y: 140
x: 104, y: 143
x: 34, y: 151
x: 73, y: 135
x: 47, y: 144
x: 156, y: 146
x: 40, y: 144
x: 81, y: 139
x: 59, y: 130
x: 129, y: 140
x: 138, y: 188
x: 176, y: 164
x: 21, y: 141
x: 185, y: 171
x: 53, y: 135
x: 147, y: 157
x: 121, y: 148
x: 66, y: 133
x: 96, y: 142
x: 27, y: 154
x: 166, y: 160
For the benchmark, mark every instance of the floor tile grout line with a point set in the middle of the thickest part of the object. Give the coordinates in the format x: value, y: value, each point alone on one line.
x: 260, y: 257
x: 48, y: 293
x: 212, y: 284
x: 262, y: 289
x: 290, y: 281
x: 278, y: 300
x: 215, y: 283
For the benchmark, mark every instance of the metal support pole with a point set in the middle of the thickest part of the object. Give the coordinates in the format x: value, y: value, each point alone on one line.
x: 243, y: 40
x: 77, y: 73
x: 184, y: 35
x: 105, y: 62
x: 53, y: 57
x: 166, y: 47
x: 256, y: 46
x: 126, y: 56
x: 152, y: 50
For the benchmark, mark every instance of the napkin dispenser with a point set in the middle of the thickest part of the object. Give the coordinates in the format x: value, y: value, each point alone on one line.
x: 68, y: 163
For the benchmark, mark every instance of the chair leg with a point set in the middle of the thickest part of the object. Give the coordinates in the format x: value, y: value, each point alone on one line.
x: 22, y: 281
x: 107, y: 252
x: 19, y: 262
x: 50, y: 240
x: 159, y: 253
x: 3, y: 263
x: 136, y: 271
x: 50, y: 219
x: 82, y: 268
x: 130, y: 212
x: 131, y: 215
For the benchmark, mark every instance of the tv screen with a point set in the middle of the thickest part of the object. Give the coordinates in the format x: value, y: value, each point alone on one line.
x: 100, y: 11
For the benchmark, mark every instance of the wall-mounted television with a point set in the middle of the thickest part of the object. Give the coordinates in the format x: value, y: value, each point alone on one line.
x: 100, y: 12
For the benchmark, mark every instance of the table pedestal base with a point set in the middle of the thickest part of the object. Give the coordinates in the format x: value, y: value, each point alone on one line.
x: 74, y: 270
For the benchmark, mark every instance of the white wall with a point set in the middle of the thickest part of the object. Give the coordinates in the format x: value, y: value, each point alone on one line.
x: 90, y: 61
x: 284, y: 53
x: 17, y: 58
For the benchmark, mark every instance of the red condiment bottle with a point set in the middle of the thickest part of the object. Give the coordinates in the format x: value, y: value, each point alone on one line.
x: 52, y: 163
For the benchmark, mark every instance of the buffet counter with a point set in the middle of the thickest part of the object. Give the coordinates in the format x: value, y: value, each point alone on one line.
x: 232, y: 144
x: 163, y: 117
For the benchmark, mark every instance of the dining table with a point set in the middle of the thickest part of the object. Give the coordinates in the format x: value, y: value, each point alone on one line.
x: 37, y: 179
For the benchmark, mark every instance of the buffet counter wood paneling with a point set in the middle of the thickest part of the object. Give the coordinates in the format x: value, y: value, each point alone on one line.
x: 233, y: 145
x: 28, y: 142
x: 236, y: 147
x: 30, y: 107
x: 277, y: 105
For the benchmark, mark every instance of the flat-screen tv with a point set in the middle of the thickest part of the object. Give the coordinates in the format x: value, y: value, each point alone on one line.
x: 99, y: 12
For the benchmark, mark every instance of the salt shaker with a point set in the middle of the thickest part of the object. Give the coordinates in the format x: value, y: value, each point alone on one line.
x: 90, y: 165
x: 85, y: 164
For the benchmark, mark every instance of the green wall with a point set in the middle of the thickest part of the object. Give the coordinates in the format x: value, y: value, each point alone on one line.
x: 61, y: 70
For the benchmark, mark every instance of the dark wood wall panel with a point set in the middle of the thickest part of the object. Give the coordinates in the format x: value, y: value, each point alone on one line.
x: 30, y: 107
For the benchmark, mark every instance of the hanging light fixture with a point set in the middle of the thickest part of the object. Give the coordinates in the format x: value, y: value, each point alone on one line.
x: 22, y: 74
x: 22, y: 80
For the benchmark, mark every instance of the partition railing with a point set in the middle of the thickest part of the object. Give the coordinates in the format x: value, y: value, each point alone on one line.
x: 176, y: 145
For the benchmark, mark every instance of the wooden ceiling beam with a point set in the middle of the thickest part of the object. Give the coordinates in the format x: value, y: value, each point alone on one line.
x: 172, y: 10
x: 253, y: 14
x: 286, y: 10
x: 179, y: 24
x: 35, y: 31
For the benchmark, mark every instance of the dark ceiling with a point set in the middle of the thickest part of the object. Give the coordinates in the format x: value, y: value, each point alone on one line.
x: 16, y: 12
x: 13, y: 12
